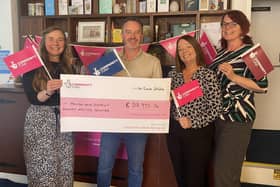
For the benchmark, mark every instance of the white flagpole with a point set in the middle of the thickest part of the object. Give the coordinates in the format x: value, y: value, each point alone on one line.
x: 176, y: 103
x: 43, y: 64
x: 115, y: 51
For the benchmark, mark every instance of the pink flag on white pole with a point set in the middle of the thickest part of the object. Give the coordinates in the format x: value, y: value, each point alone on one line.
x: 38, y: 39
x: 186, y: 93
x: 88, y: 54
x: 170, y: 43
x: 23, y: 61
x: 257, y: 61
x: 207, y: 48
x: 29, y: 41
x: 145, y: 46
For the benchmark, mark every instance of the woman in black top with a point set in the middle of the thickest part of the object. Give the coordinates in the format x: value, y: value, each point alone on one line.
x: 48, y: 153
x: 191, y: 132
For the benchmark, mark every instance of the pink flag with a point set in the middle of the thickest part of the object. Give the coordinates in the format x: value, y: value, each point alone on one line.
x: 186, y: 93
x: 207, y: 48
x: 119, y: 48
x: 23, y: 61
x: 88, y: 144
x: 88, y: 54
x: 38, y: 39
x: 28, y: 42
x: 145, y: 46
x: 257, y: 61
x: 170, y: 43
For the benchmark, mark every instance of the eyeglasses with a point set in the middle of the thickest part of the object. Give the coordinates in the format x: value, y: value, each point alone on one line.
x: 229, y: 24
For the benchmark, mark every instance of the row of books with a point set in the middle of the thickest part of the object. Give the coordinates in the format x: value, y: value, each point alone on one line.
x: 174, y: 30
x: 85, y: 7
x: 188, y: 5
x: 68, y: 7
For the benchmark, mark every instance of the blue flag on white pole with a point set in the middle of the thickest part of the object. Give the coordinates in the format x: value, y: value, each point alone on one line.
x: 107, y: 65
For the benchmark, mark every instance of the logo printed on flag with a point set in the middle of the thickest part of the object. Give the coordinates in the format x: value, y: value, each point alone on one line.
x: 186, y: 93
x: 107, y: 65
x: 257, y: 61
x: 23, y: 61
x: 207, y: 48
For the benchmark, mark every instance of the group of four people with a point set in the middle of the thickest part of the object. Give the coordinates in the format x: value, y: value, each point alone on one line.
x: 212, y: 131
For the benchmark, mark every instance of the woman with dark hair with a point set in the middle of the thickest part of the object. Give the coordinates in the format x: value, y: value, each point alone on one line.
x: 190, y: 135
x: 48, y: 153
x: 233, y: 128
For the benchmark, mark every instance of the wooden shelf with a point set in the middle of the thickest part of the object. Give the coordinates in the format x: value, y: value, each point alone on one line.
x: 69, y: 22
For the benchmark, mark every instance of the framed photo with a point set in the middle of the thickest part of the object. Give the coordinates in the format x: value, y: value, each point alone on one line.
x: 91, y: 31
x: 203, y: 4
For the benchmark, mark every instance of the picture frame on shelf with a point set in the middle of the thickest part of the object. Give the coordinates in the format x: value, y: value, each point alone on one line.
x: 203, y: 4
x: 191, y: 5
x: 91, y: 31
x: 222, y: 4
x: 213, y: 4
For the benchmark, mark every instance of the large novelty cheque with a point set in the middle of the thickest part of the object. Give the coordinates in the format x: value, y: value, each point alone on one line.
x: 114, y: 104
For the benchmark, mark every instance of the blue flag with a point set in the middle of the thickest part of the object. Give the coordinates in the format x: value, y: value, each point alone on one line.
x: 107, y: 65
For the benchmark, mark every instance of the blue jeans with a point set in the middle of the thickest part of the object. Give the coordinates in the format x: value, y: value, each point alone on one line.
x: 135, y: 145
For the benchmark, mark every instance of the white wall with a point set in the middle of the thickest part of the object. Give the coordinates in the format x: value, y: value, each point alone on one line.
x: 265, y: 30
x: 243, y: 5
x: 9, y: 25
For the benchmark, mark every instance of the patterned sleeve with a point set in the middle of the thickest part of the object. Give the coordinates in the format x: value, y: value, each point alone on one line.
x: 211, y: 102
x: 171, y: 74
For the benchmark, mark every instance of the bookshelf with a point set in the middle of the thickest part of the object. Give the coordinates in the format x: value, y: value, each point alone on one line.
x: 157, y: 166
x: 34, y: 24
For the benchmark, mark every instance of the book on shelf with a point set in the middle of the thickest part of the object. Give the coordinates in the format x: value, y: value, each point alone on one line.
x: 77, y: 7
x: 147, y: 34
x: 62, y: 7
x: 191, y: 5
x: 88, y: 7
x: 49, y: 7
x: 105, y: 6
x: 163, y: 5
x: 142, y: 6
x: 151, y: 5
x: 117, y: 35
x: 130, y: 6
x: 182, y: 28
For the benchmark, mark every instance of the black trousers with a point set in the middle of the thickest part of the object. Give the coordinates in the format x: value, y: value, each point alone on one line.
x: 190, y: 151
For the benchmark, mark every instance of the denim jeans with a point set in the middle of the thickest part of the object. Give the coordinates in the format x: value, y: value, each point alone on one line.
x: 135, y: 146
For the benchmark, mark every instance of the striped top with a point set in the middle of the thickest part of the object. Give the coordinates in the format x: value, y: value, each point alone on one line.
x: 238, y: 102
